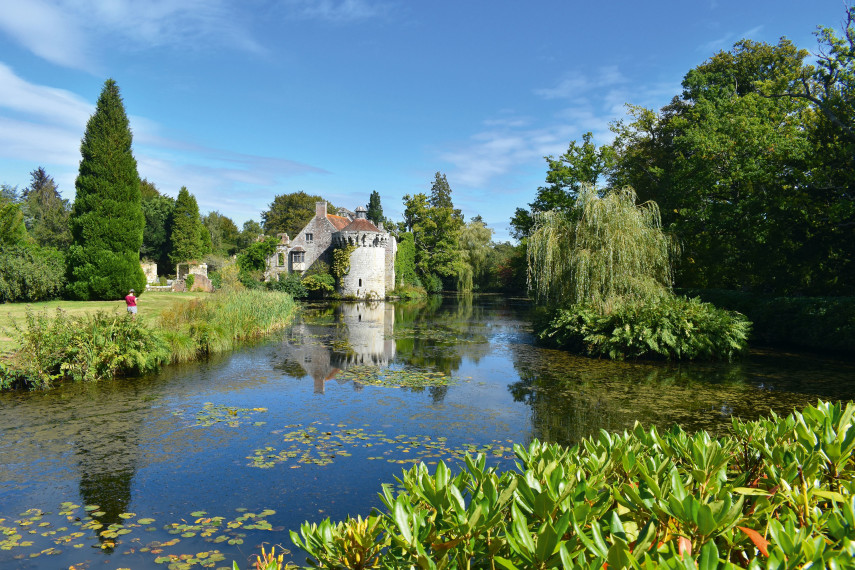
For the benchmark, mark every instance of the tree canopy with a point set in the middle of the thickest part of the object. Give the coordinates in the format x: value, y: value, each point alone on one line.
x: 611, y: 251
x: 106, y: 219
x: 187, y: 240
x: 289, y: 213
x: 375, y: 210
x: 46, y: 212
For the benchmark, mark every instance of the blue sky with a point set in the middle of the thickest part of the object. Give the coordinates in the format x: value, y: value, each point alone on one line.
x: 241, y: 100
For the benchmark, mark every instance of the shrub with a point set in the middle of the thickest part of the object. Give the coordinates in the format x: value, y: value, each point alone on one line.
x: 408, y: 292
x: 815, y: 323
x: 95, y: 347
x: 188, y: 282
x: 673, y: 328
x: 291, y: 284
x: 83, y: 349
x: 30, y: 273
x: 433, y: 283
x: 319, y: 285
x: 774, y: 493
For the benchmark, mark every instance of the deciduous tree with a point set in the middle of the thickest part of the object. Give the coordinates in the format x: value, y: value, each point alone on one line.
x: 289, y: 213
x: 582, y: 164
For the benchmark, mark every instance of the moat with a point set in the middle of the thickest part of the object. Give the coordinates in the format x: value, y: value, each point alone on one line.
x: 199, y: 465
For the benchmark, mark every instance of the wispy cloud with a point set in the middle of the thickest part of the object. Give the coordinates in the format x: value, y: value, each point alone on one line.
x: 340, y: 11
x: 43, y: 126
x: 726, y: 41
x: 506, y: 157
x: 69, y: 33
x: 577, y: 85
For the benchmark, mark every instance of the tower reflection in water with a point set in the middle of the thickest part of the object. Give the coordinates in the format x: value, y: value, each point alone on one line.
x: 333, y: 338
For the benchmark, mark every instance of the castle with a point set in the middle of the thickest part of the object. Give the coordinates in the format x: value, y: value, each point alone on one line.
x: 372, y: 261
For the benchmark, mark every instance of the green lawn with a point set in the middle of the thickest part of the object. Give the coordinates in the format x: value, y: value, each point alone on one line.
x: 149, y: 305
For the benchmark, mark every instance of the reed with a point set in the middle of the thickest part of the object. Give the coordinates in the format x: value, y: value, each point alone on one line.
x: 223, y: 320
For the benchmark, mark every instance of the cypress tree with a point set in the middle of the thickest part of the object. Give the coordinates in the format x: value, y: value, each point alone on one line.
x: 375, y: 210
x: 187, y: 229
x: 106, y: 219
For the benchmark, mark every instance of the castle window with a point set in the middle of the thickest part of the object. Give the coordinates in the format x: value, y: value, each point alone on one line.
x: 360, y: 282
x: 281, y: 259
x: 309, y: 237
x: 298, y: 257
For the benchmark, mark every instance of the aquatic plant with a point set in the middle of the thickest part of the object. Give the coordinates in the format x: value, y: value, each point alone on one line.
x: 319, y: 445
x: 74, y: 527
x: 775, y: 493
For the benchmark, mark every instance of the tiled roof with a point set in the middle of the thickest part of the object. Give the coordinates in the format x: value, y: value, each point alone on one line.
x: 338, y: 221
x: 361, y: 225
x: 297, y: 248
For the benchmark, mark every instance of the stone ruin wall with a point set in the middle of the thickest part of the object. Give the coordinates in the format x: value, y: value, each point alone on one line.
x: 367, y: 275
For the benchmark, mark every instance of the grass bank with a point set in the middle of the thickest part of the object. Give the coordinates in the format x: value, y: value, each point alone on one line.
x: 94, y: 344
x: 150, y: 305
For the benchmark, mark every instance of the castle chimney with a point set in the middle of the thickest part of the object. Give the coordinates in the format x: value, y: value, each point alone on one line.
x: 320, y: 209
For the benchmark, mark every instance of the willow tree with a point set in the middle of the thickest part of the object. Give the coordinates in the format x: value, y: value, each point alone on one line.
x: 608, y: 250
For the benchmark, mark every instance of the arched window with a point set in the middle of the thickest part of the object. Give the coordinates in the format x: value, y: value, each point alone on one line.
x: 360, y: 282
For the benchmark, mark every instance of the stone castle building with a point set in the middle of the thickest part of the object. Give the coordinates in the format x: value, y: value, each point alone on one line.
x: 372, y: 261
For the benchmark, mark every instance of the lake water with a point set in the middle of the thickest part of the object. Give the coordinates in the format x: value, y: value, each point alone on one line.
x: 199, y: 465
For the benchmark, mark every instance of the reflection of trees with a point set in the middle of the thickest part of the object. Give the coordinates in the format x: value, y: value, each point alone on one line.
x: 107, y: 449
x: 573, y: 397
x: 440, y: 332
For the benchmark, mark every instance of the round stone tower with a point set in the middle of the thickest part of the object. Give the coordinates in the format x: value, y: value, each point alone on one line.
x: 367, y: 275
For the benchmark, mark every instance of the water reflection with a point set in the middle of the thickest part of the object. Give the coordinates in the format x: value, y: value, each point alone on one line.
x: 328, y: 339
x: 573, y: 397
x: 148, y: 445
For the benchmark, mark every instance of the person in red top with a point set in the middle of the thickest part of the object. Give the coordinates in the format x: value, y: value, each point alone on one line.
x: 132, y: 304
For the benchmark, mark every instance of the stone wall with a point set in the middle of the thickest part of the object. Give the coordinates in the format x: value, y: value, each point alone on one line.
x: 391, y: 252
x: 367, y: 275
x: 150, y: 270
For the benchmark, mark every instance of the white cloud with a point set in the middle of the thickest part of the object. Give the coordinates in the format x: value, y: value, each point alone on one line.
x: 576, y: 85
x: 47, y: 30
x: 69, y: 32
x: 337, y: 10
x: 725, y: 42
x: 43, y: 126
x: 43, y: 102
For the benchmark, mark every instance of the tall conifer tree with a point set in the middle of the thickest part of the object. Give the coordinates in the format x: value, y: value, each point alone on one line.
x: 106, y: 219
x: 375, y: 210
x: 187, y: 230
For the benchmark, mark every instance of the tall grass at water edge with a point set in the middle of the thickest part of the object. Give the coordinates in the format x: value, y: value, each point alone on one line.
x: 93, y: 347
x: 222, y: 321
